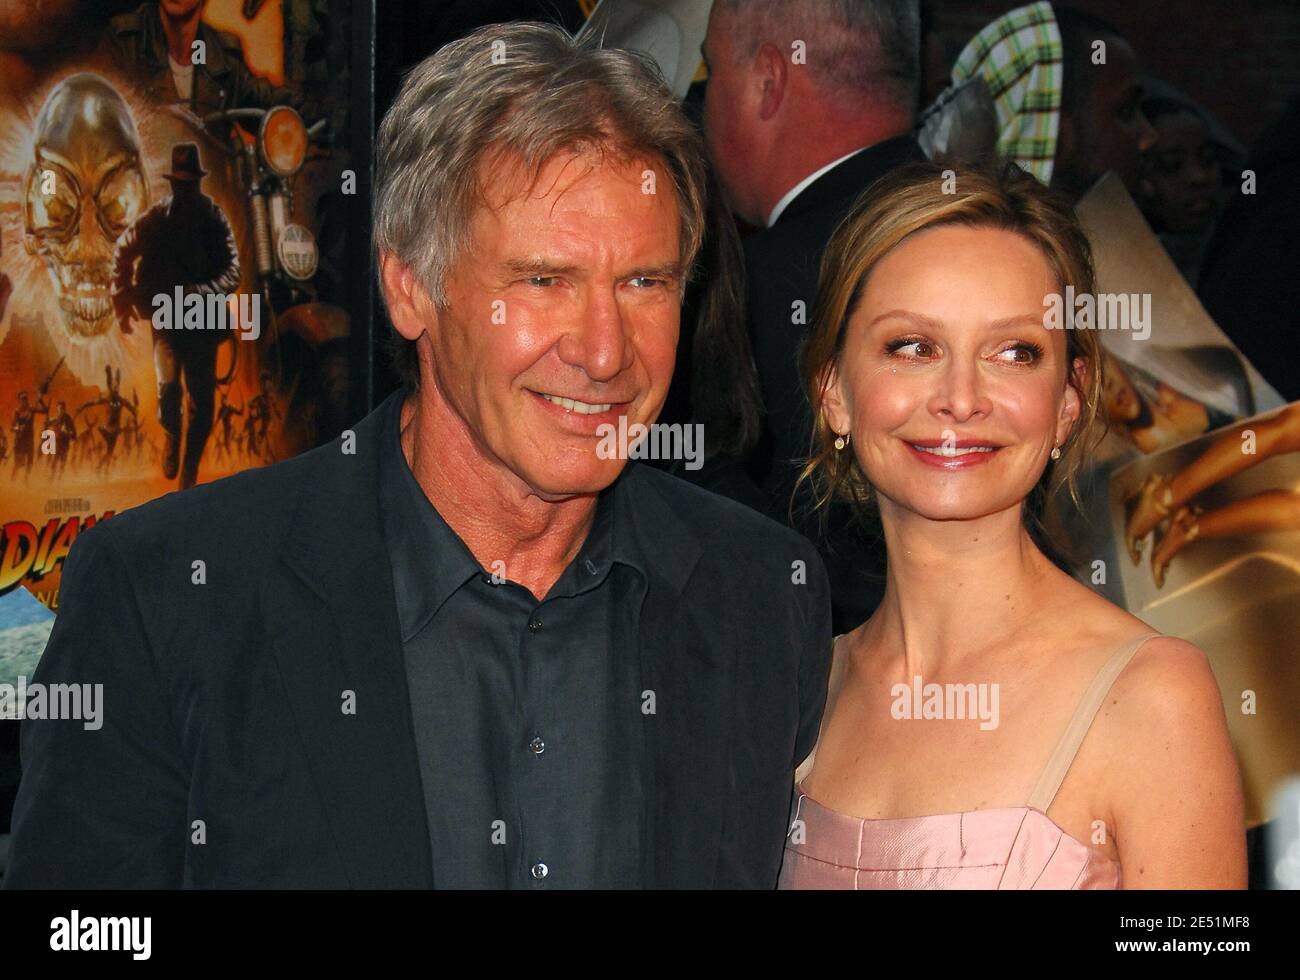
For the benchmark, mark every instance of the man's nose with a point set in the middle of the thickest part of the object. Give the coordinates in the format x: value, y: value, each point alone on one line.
x: 598, y: 342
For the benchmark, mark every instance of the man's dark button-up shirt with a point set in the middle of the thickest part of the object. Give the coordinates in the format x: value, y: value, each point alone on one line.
x: 527, y: 714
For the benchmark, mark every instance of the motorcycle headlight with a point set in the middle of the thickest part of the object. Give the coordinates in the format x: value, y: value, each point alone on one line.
x: 283, y: 141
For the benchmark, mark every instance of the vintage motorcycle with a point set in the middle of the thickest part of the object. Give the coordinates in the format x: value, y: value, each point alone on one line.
x: 307, y: 346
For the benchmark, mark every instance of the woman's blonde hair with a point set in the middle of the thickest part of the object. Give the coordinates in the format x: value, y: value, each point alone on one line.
x: 928, y: 195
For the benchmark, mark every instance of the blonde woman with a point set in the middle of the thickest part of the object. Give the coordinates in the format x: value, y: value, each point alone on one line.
x: 995, y: 724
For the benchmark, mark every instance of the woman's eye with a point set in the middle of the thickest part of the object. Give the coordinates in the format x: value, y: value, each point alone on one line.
x: 1023, y: 353
x: 910, y: 347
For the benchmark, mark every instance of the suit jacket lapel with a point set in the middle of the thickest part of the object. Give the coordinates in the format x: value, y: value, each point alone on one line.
x: 686, y: 762
x: 335, y: 631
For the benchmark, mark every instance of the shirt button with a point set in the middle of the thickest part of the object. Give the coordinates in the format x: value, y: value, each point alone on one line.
x: 534, y: 625
x: 537, y: 745
x: 591, y: 566
x: 540, y: 870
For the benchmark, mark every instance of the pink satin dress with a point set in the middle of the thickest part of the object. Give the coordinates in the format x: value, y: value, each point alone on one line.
x: 1003, y: 848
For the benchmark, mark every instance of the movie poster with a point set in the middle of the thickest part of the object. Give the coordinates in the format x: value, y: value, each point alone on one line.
x: 180, y: 224
x: 1193, y: 510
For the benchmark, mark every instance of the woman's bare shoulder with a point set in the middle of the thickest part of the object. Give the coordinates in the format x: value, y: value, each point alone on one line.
x: 1168, y: 683
x: 1173, y: 788
x: 1164, y: 708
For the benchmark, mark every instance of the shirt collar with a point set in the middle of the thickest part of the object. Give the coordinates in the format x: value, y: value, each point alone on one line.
x: 430, y: 562
x: 800, y: 187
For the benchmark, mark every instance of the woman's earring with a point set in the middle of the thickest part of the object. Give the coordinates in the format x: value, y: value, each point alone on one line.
x: 841, y: 441
x: 1056, y: 452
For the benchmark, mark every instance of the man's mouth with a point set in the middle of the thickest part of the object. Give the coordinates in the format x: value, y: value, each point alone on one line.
x: 579, y: 416
x: 579, y: 407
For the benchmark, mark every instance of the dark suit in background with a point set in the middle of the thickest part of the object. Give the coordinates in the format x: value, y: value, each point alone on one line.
x: 782, y: 264
x: 1248, y: 281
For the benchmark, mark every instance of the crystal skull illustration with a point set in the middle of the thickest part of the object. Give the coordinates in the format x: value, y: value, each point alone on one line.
x: 84, y: 186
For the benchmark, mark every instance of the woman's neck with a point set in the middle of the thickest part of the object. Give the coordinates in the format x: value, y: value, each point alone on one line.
x: 956, y: 589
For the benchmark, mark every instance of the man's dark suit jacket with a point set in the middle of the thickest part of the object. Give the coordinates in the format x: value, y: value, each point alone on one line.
x: 781, y: 265
x: 225, y: 758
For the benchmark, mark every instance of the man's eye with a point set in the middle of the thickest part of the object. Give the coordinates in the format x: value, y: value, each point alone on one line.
x: 646, y: 282
x: 542, y: 280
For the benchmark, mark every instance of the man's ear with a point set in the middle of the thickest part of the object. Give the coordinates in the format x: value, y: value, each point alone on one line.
x: 773, y: 74
x: 409, y: 305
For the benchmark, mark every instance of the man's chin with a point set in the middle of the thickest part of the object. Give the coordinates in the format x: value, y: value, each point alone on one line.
x: 556, y: 484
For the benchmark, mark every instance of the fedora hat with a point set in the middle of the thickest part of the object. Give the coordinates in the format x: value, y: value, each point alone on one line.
x: 185, y: 163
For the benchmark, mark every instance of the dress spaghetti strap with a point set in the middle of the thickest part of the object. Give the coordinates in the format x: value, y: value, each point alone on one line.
x: 1068, y: 747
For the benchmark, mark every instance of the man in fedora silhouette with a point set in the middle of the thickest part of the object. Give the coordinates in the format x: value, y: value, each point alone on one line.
x: 184, y: 240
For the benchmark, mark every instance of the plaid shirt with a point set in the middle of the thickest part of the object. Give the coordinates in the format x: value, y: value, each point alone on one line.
x: 1019, y: 57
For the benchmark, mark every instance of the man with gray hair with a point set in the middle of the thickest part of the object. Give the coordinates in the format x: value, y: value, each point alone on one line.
x: 808, y: 102
x: 461, y: 646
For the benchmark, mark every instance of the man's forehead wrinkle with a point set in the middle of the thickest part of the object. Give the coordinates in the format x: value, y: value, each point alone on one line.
x: 589, y: 168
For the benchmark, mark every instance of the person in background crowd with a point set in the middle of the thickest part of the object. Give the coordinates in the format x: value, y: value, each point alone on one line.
x: 807, y: 104
x: 1102, y: 124
x: 1060, y: 115
x: 1180, y: 187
